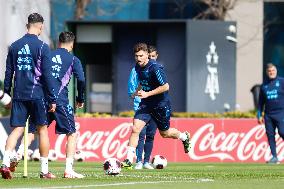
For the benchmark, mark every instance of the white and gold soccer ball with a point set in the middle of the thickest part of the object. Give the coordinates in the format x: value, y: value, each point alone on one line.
x: 36, y: 155
x: 159, y: 162
x: 112, y: 166
x: 52, y: 155
x: 79, y: 156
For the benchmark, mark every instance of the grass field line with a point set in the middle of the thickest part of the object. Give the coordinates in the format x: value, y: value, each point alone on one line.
x: 111, y: 184
x: 154, y: 177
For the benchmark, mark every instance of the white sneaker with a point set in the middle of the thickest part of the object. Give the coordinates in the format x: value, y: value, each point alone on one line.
x: 147, y: 166
x: 19, y: 156
x: 139, y: 165
x: 72, y: 174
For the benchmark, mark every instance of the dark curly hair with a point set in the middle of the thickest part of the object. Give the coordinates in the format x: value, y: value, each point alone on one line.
x: 66, y: 37
x: 140, y: 47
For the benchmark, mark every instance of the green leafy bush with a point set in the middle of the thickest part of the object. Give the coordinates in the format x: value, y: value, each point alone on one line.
x: 4, y: 111
x: 126, y: 114
x: 233, y: 114
x: 97, y: 114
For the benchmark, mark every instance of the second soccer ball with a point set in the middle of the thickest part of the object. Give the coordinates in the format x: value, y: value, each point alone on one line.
x: 159, y: 162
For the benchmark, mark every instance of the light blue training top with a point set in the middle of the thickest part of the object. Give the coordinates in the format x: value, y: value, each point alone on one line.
x: 132, y: 86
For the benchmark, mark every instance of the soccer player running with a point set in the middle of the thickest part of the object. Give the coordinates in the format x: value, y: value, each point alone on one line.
x: 26, y: 65
x: 155, y: 104
x: 271, y: 101
x: 64, y: 64
x: 150, y: 129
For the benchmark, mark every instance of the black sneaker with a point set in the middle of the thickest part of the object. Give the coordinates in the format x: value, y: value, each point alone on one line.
x: 126, y: 164
x: 187, y: 143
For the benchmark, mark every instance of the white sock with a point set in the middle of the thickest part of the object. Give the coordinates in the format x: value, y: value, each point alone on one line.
x: 6, y: 158
x: 131, y: 153
x: 44, y: 165
x: 182, y: 136
x: 21, y: 149
x: 69, y: 164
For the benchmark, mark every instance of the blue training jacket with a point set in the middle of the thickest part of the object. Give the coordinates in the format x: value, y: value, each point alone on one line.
x: 271, y: 96
x: 63, y: 65
x: 27, y: 62
x: 132, y: 86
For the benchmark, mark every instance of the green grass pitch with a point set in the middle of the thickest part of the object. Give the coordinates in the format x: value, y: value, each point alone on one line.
x: 176, y: 175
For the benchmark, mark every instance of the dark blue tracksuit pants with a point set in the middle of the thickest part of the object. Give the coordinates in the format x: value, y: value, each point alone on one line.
x: 273, y: 121
x: 149, y: 131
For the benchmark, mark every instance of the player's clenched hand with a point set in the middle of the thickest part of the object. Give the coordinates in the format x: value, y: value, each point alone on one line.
x: 136, y: 92
x: 260, y: 120
x: 52, y: 108
x: 142, y: 94
x: 79, y: 105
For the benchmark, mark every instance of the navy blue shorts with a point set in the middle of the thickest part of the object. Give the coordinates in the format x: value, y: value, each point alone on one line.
x: 161, y: 114
x: 32, y: 128
x: 21, y: 110
x: 64, y: 117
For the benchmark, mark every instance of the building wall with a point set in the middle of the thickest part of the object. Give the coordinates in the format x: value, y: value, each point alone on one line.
x: 273, y: 38
x: 249, y: 18
x: 63, y: 11
x: 211, y: 66
x: 13, y: 16
x: 2, y: 40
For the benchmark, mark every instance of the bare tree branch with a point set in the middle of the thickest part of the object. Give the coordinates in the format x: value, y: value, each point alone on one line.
x: 80, y: 8
x: 216, y: 9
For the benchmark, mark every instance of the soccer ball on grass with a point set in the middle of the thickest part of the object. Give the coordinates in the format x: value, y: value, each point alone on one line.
x: 112, y: 166
x: 159, y: 162
x: 52, y: 155
x: 79, y: 156
x: 36, y: 155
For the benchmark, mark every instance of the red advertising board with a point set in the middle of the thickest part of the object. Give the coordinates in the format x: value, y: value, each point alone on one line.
x: 213, y: 140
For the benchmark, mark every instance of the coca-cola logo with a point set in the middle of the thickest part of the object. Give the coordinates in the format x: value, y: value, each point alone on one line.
x: 223, y: 145
x: 99, y: 143
x: 227, y: 140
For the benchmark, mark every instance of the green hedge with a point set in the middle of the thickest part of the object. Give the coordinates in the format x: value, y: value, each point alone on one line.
x: 233, y: 114
x: 4, y: 111
x: 97, y: 114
